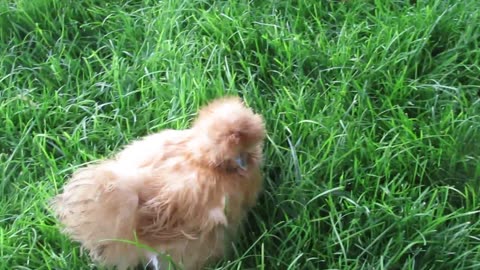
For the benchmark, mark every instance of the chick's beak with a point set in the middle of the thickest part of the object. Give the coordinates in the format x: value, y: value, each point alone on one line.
x: 241, y: 161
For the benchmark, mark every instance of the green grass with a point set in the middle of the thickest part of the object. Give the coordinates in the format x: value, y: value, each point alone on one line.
x: 372, y: 109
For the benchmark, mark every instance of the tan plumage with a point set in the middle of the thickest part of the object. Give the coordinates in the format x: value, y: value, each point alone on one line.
x: 178, y: 191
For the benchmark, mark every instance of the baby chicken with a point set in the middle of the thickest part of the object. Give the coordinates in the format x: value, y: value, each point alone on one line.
x: 182, y: 193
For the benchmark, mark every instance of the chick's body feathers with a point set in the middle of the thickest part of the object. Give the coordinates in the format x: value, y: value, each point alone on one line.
x: 169, y: 191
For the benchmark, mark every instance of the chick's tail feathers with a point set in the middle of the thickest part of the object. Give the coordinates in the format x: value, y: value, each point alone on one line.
x: 98, y: 208
x: 227, y: 129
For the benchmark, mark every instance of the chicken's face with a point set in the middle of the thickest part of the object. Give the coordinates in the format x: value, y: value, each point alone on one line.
x: 232, y: 135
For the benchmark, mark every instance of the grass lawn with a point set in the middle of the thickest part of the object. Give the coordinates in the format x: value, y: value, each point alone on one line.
x: 372, y: 109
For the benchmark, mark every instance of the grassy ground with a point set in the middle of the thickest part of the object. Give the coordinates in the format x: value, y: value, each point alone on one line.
x: 372, y: 107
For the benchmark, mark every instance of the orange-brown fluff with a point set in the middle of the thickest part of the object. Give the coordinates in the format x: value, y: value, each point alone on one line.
x: 179, y: 192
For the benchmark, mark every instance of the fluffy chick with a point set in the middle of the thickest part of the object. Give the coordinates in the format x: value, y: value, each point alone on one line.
x: 180, y: 192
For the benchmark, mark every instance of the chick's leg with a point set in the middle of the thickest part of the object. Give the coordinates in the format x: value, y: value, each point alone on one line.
x: 153, y: 262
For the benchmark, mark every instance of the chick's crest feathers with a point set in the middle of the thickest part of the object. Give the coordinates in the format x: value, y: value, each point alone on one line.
x: 228, y: 129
